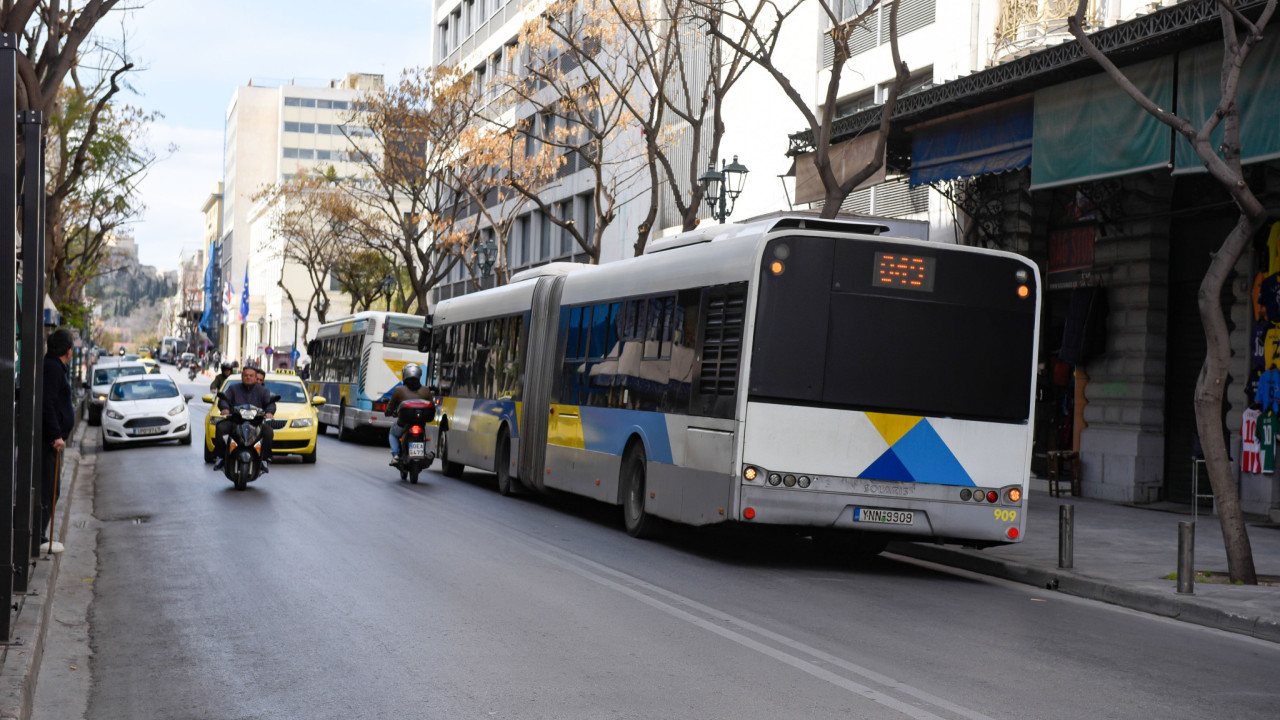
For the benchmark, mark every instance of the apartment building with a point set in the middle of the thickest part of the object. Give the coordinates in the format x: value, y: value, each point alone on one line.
x: 276, y: 130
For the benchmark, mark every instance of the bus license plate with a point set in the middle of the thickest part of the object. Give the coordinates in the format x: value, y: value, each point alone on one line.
x: 148, y: 431
x: 884, y: 517
x: 417, y: 449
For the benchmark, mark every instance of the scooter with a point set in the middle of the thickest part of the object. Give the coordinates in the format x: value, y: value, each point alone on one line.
x: 244, y: 445
x: 415, y: 455
x: 191, y: 374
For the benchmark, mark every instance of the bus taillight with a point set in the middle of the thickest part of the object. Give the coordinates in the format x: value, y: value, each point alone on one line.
x: 749, y: 513
x: 1012, y: 533
x: 1014, y: 495
x: 992, y: 496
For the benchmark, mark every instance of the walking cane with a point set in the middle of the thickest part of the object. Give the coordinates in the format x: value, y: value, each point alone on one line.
x: 53, y: 509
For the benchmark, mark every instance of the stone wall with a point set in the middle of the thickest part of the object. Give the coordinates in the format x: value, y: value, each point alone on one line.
x: 1122, y: 449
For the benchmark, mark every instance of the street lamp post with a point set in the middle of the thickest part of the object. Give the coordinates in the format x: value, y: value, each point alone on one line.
x: 387, y: 284
x: 723, y: 187
x: 262, y: 325
x: 486, y: 255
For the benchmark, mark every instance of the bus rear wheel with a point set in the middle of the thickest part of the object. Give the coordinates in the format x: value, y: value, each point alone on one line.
x: 639, y: 523
x: 502, y: 465
x: 450, y: 469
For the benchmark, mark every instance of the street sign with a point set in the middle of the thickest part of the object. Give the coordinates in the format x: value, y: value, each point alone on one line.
x: 269, y: 351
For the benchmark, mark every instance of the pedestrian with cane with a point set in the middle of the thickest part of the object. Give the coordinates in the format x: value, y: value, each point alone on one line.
x: 58, y: 419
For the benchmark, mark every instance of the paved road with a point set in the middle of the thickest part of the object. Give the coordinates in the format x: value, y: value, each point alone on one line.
x: 335, y: 591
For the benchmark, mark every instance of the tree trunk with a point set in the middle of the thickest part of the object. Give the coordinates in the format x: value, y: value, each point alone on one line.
x: 1208, y: 403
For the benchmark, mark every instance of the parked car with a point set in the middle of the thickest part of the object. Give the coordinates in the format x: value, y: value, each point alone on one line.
x: 143, y: 407
x: 294, y: 425
x: 105, y: 372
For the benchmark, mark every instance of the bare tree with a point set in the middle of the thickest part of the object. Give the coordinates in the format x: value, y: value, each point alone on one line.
x: 1239, y: 36
x: 683, y: 77
x: 764, y: 22
x: 571, y: 118
x: 308, y: 220
x: 403, y: 203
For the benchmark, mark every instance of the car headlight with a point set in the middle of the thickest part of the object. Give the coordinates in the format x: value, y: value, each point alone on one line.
x: 102, y: 398
x: 177, y: 409
x: 301, y: 422
x: 113, y: 414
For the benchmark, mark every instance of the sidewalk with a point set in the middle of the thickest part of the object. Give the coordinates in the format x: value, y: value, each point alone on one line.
x: 1122, y: 556
x: 20, y: 663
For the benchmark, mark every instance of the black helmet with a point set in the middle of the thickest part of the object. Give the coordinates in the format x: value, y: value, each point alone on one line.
x: 226, y: 367
x: 412, y: 371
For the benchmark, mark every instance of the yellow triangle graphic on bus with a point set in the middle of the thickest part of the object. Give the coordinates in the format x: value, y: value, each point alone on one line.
x: 395, y: 365
x: 893, y: 427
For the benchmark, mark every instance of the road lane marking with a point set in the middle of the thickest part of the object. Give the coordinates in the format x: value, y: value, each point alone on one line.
x: 628, y: 584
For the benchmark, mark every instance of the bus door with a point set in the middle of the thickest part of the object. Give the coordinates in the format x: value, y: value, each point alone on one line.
x: 538, y: 373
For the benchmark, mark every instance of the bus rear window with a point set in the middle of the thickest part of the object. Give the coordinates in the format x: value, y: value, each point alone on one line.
x: 402, y: 332
x: 830, y: 333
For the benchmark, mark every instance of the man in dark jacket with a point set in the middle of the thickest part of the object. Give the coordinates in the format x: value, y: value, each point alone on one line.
x: 250, y: 391
x: 221, y: 377
x: 57, y: 418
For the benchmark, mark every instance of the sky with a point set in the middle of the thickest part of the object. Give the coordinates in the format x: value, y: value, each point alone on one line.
x: 193, y: 54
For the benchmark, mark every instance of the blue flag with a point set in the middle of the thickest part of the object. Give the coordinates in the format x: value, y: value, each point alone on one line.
x: 244, y: 296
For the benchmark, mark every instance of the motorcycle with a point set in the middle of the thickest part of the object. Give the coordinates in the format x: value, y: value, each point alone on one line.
x: 414, y: 416
x: 191, y: 374
x: 244, y: 445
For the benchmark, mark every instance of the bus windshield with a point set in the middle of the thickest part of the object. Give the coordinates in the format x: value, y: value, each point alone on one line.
x: 402, y: 332
x: 957, y: 342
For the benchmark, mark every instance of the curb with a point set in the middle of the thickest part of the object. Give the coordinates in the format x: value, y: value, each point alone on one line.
x: 20, y: 668
x: 1182, y: 608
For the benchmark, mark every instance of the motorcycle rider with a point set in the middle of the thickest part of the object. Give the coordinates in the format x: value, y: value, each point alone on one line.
x: 220, y: 378
x: 250, y: 391
x: 411, y: 389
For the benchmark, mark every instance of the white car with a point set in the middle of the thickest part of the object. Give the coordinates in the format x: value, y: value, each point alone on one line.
x: 144, y: 407
x: 105, y: 372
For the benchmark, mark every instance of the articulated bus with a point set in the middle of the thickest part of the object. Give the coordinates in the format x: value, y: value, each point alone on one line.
x: 356, y: 363
x: 788, y: 371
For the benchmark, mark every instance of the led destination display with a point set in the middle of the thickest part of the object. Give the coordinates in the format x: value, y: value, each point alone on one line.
x: 909, y: 272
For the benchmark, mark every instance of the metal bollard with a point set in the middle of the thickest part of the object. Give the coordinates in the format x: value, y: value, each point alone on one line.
x: 1066, y: 535
x: 1186, y: 558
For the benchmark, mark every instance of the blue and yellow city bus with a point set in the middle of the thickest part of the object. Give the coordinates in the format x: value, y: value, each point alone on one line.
x: 787, y: 371
x: 356, y: 363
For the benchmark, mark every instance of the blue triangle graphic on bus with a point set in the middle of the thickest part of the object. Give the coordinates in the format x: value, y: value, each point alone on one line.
x: 887, y: 467
x: 928, y: 459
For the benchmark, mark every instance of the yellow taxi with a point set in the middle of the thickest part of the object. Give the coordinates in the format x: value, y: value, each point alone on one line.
x: 294, y: 423
x: 153, y: 367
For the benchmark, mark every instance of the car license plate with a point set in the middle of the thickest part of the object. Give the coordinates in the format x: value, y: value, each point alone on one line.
x: 884, y: 517
x: 417, y: 449
x: 148, y: 431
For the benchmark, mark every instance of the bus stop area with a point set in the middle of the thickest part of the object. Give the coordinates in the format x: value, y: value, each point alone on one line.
x: 1127, y: 555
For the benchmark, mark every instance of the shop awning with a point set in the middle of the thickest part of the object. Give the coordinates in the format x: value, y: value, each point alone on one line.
x: 1089, y: 129
x: 1199, y: 77
x: 988, y: 141
x: 847, y: 158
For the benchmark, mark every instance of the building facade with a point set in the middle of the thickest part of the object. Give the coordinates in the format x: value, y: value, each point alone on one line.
x: 275, y: 131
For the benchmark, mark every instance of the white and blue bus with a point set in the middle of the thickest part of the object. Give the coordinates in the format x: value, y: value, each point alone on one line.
x: 356, y: 363
x: 787, y: 371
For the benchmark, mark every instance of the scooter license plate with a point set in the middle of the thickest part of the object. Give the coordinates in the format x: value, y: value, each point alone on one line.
x: 417, y: 449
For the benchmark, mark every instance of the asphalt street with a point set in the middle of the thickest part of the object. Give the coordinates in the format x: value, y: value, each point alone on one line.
x: 336, y: 591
